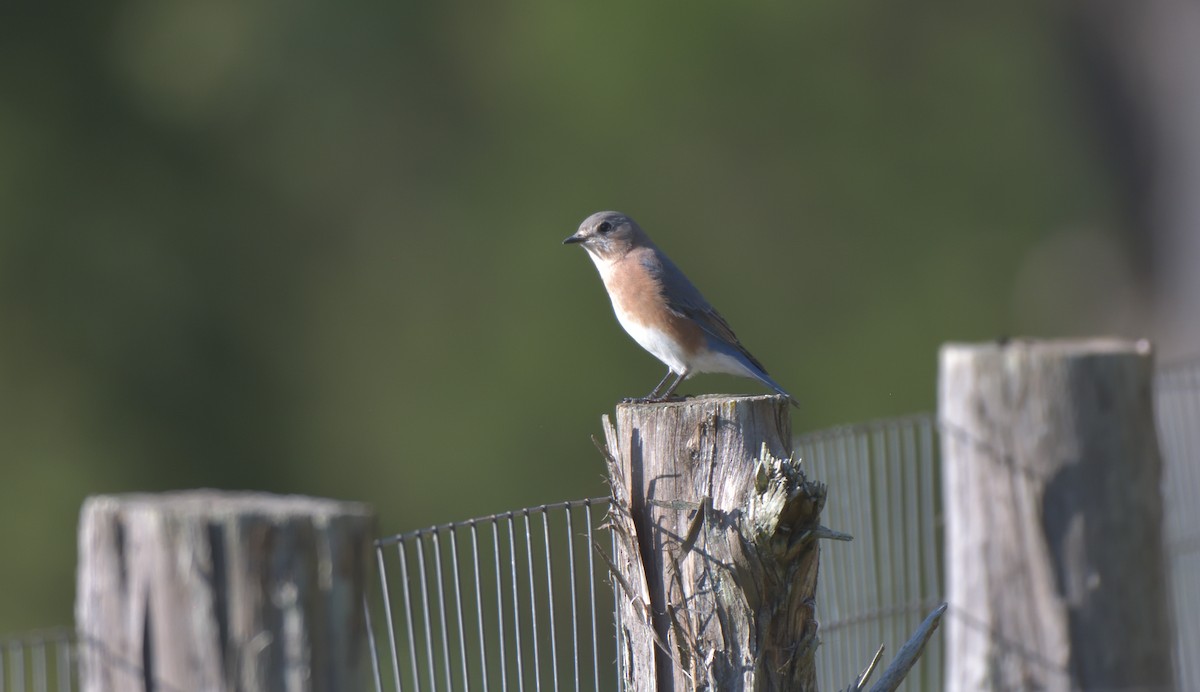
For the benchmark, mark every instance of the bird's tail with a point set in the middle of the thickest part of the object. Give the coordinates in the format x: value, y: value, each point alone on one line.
x: 753, y: 369
x: 766, y: 379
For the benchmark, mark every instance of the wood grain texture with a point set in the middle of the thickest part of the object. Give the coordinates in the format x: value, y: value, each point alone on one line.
x: 1054, y: 550
x: 717, y: 546
x: 207, y: 590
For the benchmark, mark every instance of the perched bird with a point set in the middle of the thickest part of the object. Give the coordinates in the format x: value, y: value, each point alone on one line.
x: 660, y: 308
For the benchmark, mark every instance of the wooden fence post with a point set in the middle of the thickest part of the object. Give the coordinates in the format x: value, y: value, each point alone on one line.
x: 1053, y: 515
x: 717, y: 554
x: 214, y: 591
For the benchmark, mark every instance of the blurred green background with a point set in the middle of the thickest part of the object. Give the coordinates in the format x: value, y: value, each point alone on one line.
x: 315, y: 248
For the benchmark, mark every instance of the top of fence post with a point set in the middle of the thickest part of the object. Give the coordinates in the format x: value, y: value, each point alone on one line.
x: 1054, y: 550
x: 716, y: 551
x: 209, y: 590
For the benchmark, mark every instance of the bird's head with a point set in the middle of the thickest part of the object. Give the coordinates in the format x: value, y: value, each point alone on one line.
x: 608, y: 235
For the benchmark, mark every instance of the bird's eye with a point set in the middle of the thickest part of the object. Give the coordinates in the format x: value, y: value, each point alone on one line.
x: 604, y: 227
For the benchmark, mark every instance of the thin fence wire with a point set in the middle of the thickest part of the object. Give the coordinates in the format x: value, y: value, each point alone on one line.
x: 1177, y: 402
x: 41, y: 661
x: 883, y: 489
x: 510, y: 601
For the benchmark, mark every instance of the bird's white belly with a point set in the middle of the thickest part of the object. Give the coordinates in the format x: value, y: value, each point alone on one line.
x: 715, y: 361
x: 670, y: 352
x: 656, y: 341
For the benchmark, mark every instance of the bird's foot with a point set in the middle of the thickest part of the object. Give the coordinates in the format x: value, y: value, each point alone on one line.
x: 651, y: 400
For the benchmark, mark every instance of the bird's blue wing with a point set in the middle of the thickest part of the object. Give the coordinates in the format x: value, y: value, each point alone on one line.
x: 685, y: 299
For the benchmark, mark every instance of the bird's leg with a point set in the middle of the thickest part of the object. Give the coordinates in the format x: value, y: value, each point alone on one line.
x: 671, y: 390
x: 654, y: 395
x: 654, y: 392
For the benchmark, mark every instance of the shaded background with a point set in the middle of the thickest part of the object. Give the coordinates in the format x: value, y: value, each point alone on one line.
x: 315, y: 248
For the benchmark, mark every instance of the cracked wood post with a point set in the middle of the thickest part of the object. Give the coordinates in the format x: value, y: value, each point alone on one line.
x: 1053, y: 511
x: 209, y: 590
x: 717, y: 546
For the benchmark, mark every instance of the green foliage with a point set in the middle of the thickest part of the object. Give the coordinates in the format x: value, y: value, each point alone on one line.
x: 309, y: 247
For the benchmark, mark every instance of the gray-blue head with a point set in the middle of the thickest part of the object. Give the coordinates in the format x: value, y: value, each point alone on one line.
x: 608, y: 235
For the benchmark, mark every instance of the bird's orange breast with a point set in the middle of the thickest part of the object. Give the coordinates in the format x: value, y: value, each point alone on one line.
x: 638, y: 295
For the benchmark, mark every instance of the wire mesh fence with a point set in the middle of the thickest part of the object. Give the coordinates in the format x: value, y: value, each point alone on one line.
x: 522, y: 600
x: 883, y: 489
x: 1177, y: 402
x: 518, y: 601
x: 39, y: 662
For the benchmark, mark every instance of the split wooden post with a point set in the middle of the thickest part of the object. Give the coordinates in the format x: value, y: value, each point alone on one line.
x: 1053, y: 515
x: 717, y: 546
x: 216, y: 591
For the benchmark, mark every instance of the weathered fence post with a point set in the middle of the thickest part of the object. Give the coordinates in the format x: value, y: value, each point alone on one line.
x: 216, y: 591
x: 1053, y: 516
x: 716, y: 531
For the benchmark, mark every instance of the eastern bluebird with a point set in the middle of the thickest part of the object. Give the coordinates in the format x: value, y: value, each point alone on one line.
x: 660, y: 308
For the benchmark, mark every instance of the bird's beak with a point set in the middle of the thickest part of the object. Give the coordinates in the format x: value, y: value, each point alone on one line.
x: 574, y: 239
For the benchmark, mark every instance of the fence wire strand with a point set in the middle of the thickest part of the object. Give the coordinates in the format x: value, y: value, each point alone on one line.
x: 515, y: 617
x: 882, y: 489
x: 39, y: 661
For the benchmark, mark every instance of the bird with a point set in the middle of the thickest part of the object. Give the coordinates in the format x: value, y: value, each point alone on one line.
x: 661, y: 309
